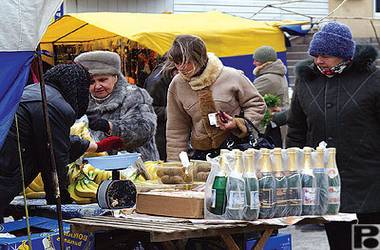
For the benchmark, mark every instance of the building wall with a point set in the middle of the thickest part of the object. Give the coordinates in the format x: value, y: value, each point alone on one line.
x: 247, y: 8
x: 146, y: 6
x: 358, y: 8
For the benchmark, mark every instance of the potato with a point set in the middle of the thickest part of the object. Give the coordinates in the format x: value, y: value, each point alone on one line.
x: 165, y: 179
x: 172, y: 171
x: 204, y: 167
x: 202, y: 176
x: 176, y: 179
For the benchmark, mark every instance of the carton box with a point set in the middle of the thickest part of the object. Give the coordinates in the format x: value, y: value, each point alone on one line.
x: 277, y: 242
x: 182, y: 204
x: 44, y: 236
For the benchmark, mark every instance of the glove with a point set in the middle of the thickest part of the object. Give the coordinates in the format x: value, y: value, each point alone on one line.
x: 110, y: 143
x: 98, y: 124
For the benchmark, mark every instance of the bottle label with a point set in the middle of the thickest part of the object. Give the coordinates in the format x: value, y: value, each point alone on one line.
x: 236, y: 200
x: 213, y: 198
x: 281, y: 197
x: 266, y: 198
x: 332, y: 172
x: 255, y: 201
x: 294, y: 196
x: 310, y: 196
x: 333, y: 195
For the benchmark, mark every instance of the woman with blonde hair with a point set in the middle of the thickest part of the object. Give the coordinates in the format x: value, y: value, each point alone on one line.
x: 204, y: 99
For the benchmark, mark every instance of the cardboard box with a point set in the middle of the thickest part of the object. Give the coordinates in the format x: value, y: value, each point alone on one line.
x: 44, y: 236
x: 182, y: 204
x: 277, y: 242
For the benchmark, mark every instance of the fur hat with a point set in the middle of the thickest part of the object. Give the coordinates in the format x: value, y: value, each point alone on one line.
x: 334, y: 39
x: 100, y: 62
x: 265, y: 54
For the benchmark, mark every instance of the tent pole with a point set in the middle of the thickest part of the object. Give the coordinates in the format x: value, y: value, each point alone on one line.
x: 50, y: 147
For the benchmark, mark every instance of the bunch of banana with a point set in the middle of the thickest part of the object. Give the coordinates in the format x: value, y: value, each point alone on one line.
x: 151, y: 167
x: 35, y: 190
x: 73, y: 172
x: 95, y: 174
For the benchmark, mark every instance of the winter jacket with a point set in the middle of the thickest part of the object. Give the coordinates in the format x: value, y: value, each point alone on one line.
x: 221, y: 89
x: 35, y: 154
x: 157, y: 85
x: 343, y: 111
x: 271, y: 79
x: 129, y: 109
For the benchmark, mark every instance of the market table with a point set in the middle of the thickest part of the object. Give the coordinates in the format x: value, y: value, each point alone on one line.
x: 166, y: 230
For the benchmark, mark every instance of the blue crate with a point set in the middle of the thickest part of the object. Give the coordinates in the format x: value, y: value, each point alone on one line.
x: 278, y: 242
x: 113, y: 162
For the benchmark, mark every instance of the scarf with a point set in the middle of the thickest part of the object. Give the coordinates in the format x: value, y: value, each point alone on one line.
x: 337, y: 69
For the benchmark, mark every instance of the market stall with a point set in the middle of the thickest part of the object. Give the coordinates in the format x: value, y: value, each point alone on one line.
x: 139, y: 38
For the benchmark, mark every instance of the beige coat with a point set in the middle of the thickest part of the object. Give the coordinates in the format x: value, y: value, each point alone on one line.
x: 271, y: 79
x: 222, y: 89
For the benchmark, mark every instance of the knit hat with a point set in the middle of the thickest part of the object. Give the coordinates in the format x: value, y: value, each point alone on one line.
x: 100, y: 62
x: 73, y: 82
x: 265, y: 54
x: 334, y: 39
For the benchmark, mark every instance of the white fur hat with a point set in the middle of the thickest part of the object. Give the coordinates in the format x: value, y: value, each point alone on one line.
x: 100, y: 62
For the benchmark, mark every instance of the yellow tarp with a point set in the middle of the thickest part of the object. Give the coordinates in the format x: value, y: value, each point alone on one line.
x: 225, y: 35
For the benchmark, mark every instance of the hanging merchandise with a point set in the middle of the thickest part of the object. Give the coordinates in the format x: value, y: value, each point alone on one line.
x: 252, y: 207
x: 309, y: 190
x: 294, y: 183
x: 281, y: 184
x: 267, y: 186
x: 235, y: 188
x: 333, y: 193
x: 321, y: 181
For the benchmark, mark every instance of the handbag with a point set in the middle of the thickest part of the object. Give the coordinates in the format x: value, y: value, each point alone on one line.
x: 261, y: 141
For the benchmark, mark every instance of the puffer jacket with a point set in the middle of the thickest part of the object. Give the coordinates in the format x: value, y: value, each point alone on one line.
x: 221, y: 89
x: 343, y: 111
x: 129, y: 109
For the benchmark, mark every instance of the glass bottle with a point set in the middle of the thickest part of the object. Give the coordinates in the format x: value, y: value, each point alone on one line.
x: 321, y: 182
x: 218, y: 191
x: 251, y: 211
x: 235, y: 189
x: 333, y: 194
x: 309, y: 193
x: 294, y: 184
x: 267, y: 186
x: 281, y: 184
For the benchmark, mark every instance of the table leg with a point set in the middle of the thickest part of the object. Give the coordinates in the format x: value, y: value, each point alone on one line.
x: 263, y: 239
x: 230, y: 243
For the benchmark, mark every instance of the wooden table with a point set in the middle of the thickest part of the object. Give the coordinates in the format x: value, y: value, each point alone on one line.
x: 167, y: 232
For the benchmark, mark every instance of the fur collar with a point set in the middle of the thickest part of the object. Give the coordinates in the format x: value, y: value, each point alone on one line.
x: 209, y: 75
x: 114, y: 101
x: 276, y: 67
x: 363, y: 61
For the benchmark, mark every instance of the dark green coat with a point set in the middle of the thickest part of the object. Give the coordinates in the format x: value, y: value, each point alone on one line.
x: 343, y: 111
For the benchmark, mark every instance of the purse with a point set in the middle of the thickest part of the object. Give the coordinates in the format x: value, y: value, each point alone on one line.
x: 262, y: 140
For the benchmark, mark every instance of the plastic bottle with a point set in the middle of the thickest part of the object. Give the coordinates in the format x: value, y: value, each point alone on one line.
x: 321, y: 181
x: 235, y: 189
x: 281, y: 184
x: 294, y: 184
x: 218, y: 191
x: 309, y: 192
x: 333, y: 194
x: 252, y: 208
x: 267, y: 186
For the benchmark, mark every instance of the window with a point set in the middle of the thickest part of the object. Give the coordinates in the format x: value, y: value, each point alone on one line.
x: 376, y: 8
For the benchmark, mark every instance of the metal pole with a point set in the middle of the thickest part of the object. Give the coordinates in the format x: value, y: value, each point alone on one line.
x: 51, y: 151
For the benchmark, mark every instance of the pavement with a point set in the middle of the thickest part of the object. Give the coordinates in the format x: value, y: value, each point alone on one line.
x: 307, y: 238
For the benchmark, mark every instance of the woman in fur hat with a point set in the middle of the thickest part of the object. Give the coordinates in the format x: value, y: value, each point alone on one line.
x: 337, y: 100
x: 204, y: 86
x: 67, y: 94
x: 117, y: 107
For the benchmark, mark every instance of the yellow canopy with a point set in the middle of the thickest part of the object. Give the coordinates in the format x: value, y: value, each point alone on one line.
x: 225, y: 35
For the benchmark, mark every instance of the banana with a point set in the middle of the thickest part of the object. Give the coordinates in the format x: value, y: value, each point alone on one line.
x: 82, y: 190
x: 91, y: 185
x: 36, y: 195
x: 35, y: 187
x: 76, y: 198
x: 38, y: 180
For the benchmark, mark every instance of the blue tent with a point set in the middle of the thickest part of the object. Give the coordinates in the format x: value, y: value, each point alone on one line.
x: 23, y: 24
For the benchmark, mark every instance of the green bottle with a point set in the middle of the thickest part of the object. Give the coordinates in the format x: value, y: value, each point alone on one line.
x: 321, y: 182
x: 235, y: 189
x: 218, y: 191
x: 252, y: 208
x: 267, y: 186
x: 294, y: 184
x: 281, y: 185
x: 333, y: 193
x: 309, y: 192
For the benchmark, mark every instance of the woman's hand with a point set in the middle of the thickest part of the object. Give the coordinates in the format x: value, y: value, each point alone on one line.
x: 225, y: 121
